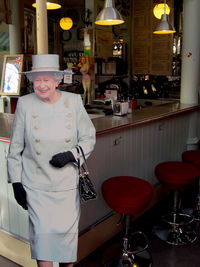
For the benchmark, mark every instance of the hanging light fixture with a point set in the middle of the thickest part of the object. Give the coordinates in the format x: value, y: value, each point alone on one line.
x: 66, y: 23
x: 159, y: 10
x: 51, y: 4
x: 164, y: 27
x: 109, y: 15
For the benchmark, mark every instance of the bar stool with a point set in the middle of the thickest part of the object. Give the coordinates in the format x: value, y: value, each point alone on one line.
x: 176, y: 176
x: 129, y: 195
x: 193, y: 157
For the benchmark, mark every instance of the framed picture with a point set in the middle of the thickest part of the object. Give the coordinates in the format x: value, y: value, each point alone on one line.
x: 11, y: 79
x: 30, y: 42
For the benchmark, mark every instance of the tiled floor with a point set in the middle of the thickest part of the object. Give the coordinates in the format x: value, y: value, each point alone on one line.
x: 163, y: 254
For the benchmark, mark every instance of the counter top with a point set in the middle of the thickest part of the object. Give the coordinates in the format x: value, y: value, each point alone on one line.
x: 112, y: 123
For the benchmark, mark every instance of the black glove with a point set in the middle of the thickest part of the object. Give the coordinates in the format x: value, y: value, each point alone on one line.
x: 61, y: 159
x: 20, y: 195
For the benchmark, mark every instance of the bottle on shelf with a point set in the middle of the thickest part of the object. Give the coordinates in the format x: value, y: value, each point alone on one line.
x: 133, y: 103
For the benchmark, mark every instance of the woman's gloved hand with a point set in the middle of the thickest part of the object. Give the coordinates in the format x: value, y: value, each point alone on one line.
x: 20, y: 195
x: 61, y: 159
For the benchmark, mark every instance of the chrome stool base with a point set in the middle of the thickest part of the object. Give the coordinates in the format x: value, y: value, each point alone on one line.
x: 132, y: 253
x: 141, y: 259
x: 175, y: 236
x: 180, y: 237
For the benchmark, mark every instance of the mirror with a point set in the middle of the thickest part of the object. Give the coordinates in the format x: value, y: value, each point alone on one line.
x: 10, y: 83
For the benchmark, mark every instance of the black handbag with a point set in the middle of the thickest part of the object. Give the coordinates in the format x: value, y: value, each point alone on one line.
x: 86, y: 188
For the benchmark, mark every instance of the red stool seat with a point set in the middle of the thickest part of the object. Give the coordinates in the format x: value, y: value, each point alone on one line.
x: 176, y: 175
x: 127, y: 194
x: 192, y: 156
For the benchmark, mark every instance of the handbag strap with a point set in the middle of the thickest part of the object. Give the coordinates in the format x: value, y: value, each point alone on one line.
x: 79, y: 149
x: 82, y: 153
x: 78, y: 161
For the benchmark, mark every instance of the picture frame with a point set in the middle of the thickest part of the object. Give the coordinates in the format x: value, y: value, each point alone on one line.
x: 11, y: 77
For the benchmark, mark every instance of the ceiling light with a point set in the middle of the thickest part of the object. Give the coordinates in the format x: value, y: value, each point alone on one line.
x: 66, y: 23
x: 159, y: 10
x: 109, y: 15
x: 164, y: 27
x: 54, y: 4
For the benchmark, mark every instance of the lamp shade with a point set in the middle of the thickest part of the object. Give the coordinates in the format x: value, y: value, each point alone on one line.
x: 160, y: 9
x: 66, y: 23
x: 164, y: 27
x: 51, y: 4
x: 109, y: 15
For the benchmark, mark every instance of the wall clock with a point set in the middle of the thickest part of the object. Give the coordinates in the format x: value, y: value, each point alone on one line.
x: 67, y: 35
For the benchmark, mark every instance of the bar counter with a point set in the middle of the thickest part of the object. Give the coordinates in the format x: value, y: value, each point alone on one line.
x: 131, y: 145
x: 137, y: 117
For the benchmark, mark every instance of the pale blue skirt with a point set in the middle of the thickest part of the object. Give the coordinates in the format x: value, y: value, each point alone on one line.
x: 53, y: 224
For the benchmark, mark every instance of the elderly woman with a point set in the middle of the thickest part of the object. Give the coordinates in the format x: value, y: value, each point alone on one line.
x: 48, y: 125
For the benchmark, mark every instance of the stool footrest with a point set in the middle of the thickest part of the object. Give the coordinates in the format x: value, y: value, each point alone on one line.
x: 137, y: 242
x: 178, y: 219
x: 180, y: 237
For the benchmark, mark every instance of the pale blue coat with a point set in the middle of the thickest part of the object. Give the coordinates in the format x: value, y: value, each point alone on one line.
x: 41, y: 130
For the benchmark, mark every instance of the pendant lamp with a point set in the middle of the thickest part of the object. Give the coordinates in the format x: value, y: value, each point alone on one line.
x: 66, y: 23
x: 109, y: 15
x: 51, y: 4
x: 164, y: 27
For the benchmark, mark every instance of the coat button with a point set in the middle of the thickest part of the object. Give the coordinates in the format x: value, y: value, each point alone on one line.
x: 38, y: 153
x: 67, y: 140
x: 37, y: 140
x: 36, y: 127
x: 34, y: 116
x: 66, y: 103
x: 69, y: 115
x: 69, y: 127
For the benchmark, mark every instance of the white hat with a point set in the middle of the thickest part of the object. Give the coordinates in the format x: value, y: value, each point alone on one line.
x: 44, y: 63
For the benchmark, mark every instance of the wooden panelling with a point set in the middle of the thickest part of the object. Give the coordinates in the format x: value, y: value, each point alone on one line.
x: 152, y: 53
x: 13, y: 218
